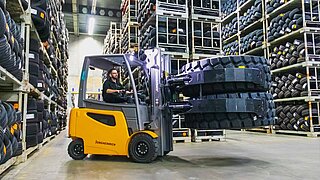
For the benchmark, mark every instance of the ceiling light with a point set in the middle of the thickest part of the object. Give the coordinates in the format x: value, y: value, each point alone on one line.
x: 91, y: 25
x: 102, y: 12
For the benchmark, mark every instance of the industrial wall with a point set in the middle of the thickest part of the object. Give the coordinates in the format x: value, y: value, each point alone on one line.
x: 81, y: 46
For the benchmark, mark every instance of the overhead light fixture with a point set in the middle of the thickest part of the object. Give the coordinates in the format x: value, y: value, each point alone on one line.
x: 91, y: 25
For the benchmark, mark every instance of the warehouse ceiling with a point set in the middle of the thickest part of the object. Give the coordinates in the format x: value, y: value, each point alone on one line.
x: 78, y: 12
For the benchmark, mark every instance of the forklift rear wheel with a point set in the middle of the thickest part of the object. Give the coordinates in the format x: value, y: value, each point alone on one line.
x: 142, y: 148
x: 76, y: 150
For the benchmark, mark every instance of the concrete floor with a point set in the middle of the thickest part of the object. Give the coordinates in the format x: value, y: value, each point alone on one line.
x: 242, y: 156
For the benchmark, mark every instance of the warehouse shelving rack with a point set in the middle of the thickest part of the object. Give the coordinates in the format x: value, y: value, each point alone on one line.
x: 112, y: 42
x: 15, y: 91
x: 202, y: 43
x: 308, y: 33
x: 203, y: 9
x: 12, y: 89
x: 239, y: 34
x: 130, y: 26
x: 204, y: 25
x: 170, y: 21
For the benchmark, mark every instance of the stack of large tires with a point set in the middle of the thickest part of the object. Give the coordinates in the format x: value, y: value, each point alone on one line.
x: 251, y: 41
x: 53, y: 124
x: 228, y: 7
x: 35, y: 122
x: 231, y: 48
x: 294, y: 117
x: 10, y: 132
x: 228, y: 92
x: 290, y: 85
x: 40, y: 18
x: 11, y: 44
x: 285, y: 23
x: 230, y: 29
x: 41, y: 123
x: 252, y: 15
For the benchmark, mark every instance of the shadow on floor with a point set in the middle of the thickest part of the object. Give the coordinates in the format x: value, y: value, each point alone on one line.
x: 173, y: 161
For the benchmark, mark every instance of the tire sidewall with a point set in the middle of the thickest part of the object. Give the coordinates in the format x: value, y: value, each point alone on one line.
x: 142, y: 138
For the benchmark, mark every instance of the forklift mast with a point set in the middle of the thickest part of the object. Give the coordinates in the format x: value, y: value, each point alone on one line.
x: 159, y: 68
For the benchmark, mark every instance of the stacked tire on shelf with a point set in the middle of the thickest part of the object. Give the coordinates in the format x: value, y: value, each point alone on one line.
x: 290, y: 53
x: 47, y: 19
x: 228, y: 30
x: 252, y: 40
x: 35, y: 123
x: 41, y: 123
x: 295, y: 77
x: 289, y: 85
x: 228, y: 7
x: 293, y: 117
x: 11, y: 44
x: 221, y: 83
x: 10, y: 132
x: 285, y: 23
x: 251, y: 15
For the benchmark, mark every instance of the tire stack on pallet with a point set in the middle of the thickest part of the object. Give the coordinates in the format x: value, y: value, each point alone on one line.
x: 10, y: 132
x: 11, y: 44
x: 35, y: 122
x: 294, y: 40
x: 229, y: 96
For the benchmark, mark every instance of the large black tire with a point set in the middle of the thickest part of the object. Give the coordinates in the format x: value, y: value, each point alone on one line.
x: 19, y: 150
x: 40, y: 137
x: 234, y: 120
x: 3, y: 116
x: 10, y: 113
x: 76, y: 149
x: 32, y: 104
x: 31, y: 140
x: 32, y: 128
x: 228, y: 87
x: 143, y: 148
x: 2, y: 23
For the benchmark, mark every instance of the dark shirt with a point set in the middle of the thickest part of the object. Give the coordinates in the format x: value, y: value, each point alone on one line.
x: 112, y: 97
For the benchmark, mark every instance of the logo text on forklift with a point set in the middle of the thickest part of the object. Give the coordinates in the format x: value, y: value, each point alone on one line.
x: 105, y: 143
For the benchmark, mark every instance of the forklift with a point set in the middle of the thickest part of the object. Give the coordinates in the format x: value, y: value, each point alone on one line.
x: 142, y: 129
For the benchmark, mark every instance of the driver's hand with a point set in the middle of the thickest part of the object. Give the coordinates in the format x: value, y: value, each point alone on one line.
x: 129, y: 92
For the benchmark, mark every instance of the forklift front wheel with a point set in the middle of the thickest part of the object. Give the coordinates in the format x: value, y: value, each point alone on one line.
x: 143, y: 148
x: 76, y: 149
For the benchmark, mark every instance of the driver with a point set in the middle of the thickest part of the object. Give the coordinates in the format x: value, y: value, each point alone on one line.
x: 112, y: 89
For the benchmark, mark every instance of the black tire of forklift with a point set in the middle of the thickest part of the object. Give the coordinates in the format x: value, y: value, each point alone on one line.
x: 76, y: 149
x: 143, y: 148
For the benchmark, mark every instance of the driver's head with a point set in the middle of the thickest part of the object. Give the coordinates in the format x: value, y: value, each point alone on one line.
x: 113, y: 74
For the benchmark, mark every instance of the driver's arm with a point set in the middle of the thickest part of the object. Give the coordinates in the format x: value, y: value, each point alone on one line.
x: 110, y: 91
